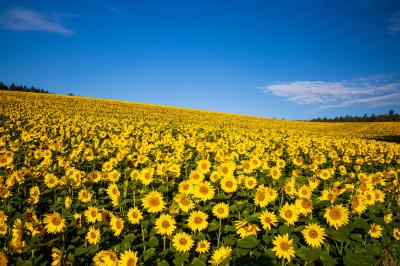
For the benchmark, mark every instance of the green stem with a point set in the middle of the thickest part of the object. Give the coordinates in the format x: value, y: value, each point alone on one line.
x: 144, y: 246
x: 219, y: 232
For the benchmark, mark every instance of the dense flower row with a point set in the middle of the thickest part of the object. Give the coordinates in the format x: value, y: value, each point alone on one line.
x: 113, y: 183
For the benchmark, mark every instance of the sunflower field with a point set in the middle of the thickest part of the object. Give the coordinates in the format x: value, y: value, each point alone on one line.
x: 98, y: 182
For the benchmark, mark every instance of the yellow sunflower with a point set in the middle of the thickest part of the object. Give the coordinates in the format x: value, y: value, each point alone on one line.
x: 203, y: 246
x: 128, y: 258
x: 134, y: 215
x: 204, y: 191
x: 304, y: 206
x: 289, y: 213
x: 229, y: 184
x: 56, y: 256
x: 250, y: 182
x: 184, y: 202
x: 203, y: 166
x: 185, y: 187
x: 261, y: 199
x: 93, y: 214
x: 268, y: 219
x: 93, y: 236
x: 50, y: 180
x: 54, y: 223
x: 245, y: 228
x: 117, y: 225
x: 396, y: 233
x: 283, y: 247
x: 314, y: 235
x: 153, y: 202
x: 105, y: 258
x: 375, y: 231
x: 220, y: 256
x: 84, y: 196
x: 221, y: 210
x: 146, y: 176
x: 182, y: 242
x: 165, y: 224
x: 337, y: 216
x: 358, y: 205
x: 198, y: 221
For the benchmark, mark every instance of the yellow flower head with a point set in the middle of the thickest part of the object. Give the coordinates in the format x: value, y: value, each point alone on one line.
x: 198, y: 221
x: 221, y: 210
x: 283, y: 247
x: 221, y: 256
x: 337, y: 216
x: 182, y: 242
x: 165, y: 224
x: 153, y: 202
x: 314, y: 235
x: 54, y: 223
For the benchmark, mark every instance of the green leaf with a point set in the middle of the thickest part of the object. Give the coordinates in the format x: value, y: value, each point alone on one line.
x: 308, y: 254
x: 153, y: 242
x: 130, y: 237
x: 198, y: 262
x: 356, y: 237
x: 342, y: 233
x: 248, y: 242
x: 213, y: 226
x: 284, y: 229
x: 180, y: 258
x: 354, y: 259
x: 163, y: 263
x: 125, y: 245
x: 149, y: 253
x: 327, y: 259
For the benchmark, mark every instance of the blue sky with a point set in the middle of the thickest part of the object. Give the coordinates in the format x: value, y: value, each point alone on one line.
x: 287, y: 59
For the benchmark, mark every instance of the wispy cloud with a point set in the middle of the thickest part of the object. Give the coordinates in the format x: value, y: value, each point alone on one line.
x: 113, y: 9
x: 371, y: 91
x: 23, y: 19
x: 394, y: 24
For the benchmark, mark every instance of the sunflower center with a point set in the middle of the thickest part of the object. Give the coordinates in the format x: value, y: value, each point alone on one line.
x: 330, y: 197
x: 154, y: 202
x: 93, y: 213
x: 56, y: 220
x: 220, y: 210
x: 355, y: 202
x: 267, y: 220
x: 165, y: 224
x: 118, y: 224
x: 183, y: 241
x: 260, y: 196
x: 305, y: 204
x: 131, y: 262
x: 288, y: 214
x: 284, y: 246
x: 93, y: 235
x: 335, y: 214
x: 250, y: 182
x: 313, y: 233
x: 134, y: 215
x: 203, y: 190
x: 185, y: 202
x: 185, y: 187
x: 229, y: 184
x: 198, y: 220
x: 374, y: 230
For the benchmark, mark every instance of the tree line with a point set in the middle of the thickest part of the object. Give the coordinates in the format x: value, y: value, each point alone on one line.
x: 391, y: 116
x: 14, y: 87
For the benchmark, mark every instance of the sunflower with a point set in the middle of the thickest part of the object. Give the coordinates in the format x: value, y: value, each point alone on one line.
x: 117, y: 225
x: 304, y: 192
x: 388, y: 218
x: 128, y: 258
x: 358, y: 205
x: 220, y: 256
x: 337, y: 216
x: 268, y: 219
x: 396, y: 233
x: 67, y: 202
x: 196, y: 176
x: 375, y: 231
x: 204, y: 191
x: 275, y: 173
x: 153, y: 202
x: 198, y: 221
x: 314, y: 235
x: 3, y: 228
x: 289, y: 213
x: 283, y: 247
x: 304, y: 206
x: 105, y: 258
x: 250, y: 182
x: 245, y: 228
x: 185, y: 187
x: 203, y: 166
x: 113, y: 192
x: 203, y: 246
x: 93, y: 236
x: 165, y: 224
x: 182, y: 242
x: 184, y: 203
x: 56, y: 255
x: 221, y: 210
x: 84, y: 196
x: 146, y: 176
x: 54, y: 223
x: 50, y: 180
x: 134, y: 215
x: 93, y: 214
x: 328, y: 194
x: 261, y: 199
x: 229, y: 184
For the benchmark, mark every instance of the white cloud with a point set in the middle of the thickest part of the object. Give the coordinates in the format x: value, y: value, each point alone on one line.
x: 372, y: 91
x: 394, y: 24
x: 23, y: 19
x: 115, y: 10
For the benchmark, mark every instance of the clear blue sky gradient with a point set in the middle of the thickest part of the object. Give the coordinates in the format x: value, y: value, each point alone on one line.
x: 213, y: 55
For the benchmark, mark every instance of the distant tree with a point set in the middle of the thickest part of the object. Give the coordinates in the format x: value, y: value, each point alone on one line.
x: 391, y: 116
